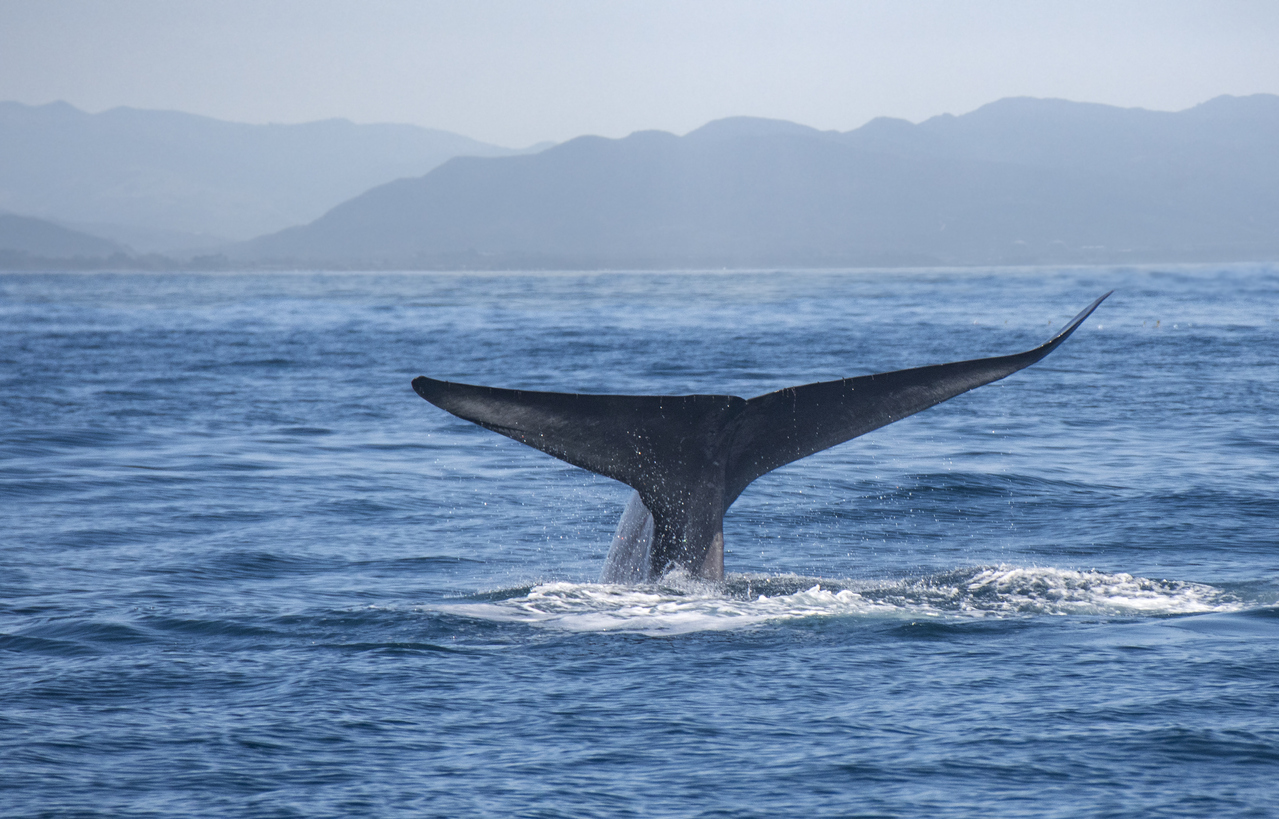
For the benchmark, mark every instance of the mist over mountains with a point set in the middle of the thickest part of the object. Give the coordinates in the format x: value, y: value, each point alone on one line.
x: 1019, y: 181
x: 164, y: 180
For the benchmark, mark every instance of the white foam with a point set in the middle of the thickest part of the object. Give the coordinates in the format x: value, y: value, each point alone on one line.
x: 1004, y: 589
x: 603, y: 607
x: 752, y: 600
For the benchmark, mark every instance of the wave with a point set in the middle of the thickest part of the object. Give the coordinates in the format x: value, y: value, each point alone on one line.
x: 679, y: 605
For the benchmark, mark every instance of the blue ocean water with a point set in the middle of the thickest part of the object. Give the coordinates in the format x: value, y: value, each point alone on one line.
x: 247, y: 572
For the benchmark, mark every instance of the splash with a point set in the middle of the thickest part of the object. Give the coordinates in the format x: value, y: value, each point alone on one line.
x: 679, y: 605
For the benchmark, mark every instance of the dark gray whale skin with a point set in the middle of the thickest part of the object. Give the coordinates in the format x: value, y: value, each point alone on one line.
x: 690, y: 456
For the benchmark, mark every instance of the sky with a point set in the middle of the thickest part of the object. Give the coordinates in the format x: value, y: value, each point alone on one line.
x: 518, y: 72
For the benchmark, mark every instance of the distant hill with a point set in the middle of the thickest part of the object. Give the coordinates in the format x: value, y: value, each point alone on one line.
x: 1018, y: 181
x: 25, y: 236
x: 163, y: 180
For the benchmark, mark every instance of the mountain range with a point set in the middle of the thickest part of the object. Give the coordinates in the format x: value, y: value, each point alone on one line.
x: 26, y: 236
x: 1019, y: 181
x: 165, y: 180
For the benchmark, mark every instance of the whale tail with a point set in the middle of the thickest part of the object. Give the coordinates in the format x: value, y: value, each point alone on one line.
x: 690, y: 456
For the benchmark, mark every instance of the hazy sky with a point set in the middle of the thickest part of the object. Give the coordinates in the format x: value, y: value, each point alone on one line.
x: 522, y: 71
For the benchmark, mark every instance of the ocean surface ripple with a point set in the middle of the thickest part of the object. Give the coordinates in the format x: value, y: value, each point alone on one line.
x: 246, y: 571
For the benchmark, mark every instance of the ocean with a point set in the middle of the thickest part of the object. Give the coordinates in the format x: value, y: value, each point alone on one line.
x: 247, y: 572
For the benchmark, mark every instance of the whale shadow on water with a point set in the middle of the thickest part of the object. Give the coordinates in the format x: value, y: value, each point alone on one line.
x: 689, y: 457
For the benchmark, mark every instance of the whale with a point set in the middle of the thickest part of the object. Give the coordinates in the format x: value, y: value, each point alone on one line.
x: 689, y: 457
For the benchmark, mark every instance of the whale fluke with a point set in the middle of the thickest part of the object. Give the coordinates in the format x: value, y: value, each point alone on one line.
x: 688, y: 457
